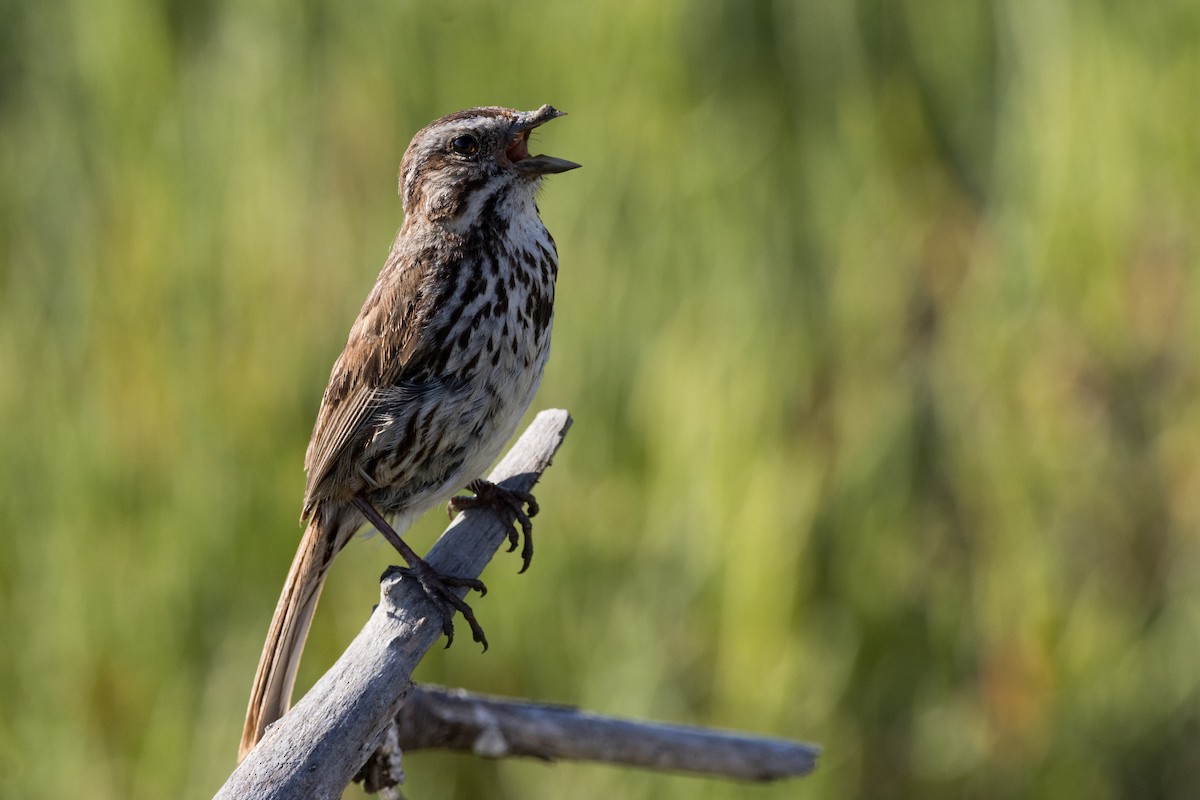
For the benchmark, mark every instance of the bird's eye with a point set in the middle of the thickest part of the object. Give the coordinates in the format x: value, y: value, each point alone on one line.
x: 465, y: 145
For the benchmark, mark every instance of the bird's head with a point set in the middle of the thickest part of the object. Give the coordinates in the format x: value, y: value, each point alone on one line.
x: 461, y: 160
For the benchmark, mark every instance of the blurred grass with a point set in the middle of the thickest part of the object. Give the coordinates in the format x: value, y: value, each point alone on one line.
x: 877, y: 322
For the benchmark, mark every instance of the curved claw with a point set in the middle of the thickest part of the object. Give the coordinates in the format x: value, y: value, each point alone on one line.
x: 514, y: 506
x: 437, y: 589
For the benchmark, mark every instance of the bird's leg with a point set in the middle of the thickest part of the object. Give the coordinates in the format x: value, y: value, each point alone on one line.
x: 510, y: 504
x: 435, y: 585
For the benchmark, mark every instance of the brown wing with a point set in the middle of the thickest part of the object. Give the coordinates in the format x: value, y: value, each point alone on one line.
x: 376, y: 357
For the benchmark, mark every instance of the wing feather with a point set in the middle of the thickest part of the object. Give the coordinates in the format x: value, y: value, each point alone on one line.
x: 377, y: 358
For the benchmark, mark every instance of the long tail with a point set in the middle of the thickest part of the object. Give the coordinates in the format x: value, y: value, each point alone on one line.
x: 272, y: 691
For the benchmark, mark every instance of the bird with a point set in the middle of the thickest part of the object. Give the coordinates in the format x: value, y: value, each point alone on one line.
x: 440, y: 365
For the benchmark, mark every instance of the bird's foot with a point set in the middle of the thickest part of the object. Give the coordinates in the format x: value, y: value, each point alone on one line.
x: 439, y: 589
x: 510, y: 504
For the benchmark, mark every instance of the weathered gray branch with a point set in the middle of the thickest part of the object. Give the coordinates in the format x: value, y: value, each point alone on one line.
x: 318, y: 746
x: 497, y: 728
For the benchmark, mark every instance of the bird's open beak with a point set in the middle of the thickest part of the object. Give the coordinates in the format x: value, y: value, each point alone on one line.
x: 518, y: 150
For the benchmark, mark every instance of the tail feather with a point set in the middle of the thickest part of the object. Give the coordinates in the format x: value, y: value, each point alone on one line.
x: 271, y: 694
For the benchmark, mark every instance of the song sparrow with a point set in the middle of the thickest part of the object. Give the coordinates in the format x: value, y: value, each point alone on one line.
x: 440, y: 365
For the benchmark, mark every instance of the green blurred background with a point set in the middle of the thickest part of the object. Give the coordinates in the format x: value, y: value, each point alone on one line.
x: 876, y: 320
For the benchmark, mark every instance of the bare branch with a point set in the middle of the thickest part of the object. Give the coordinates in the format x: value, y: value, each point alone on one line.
x: 317, y: 748
x: 319, y: 745
x: 497, y: 728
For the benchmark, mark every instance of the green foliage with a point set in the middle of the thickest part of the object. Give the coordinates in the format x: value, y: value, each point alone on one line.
x: 877, y: 321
